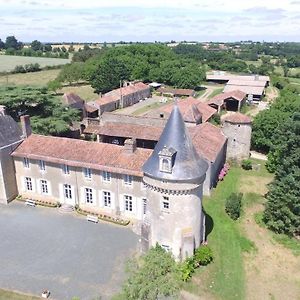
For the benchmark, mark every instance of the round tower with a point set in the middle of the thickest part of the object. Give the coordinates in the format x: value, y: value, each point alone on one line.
x: 174, y: 176
x: 237, y: 128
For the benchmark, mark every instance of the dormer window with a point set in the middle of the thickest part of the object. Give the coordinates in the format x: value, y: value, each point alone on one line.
x: 166, y: 159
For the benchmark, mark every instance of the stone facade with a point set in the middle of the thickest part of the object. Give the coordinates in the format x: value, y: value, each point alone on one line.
x: 239, y: 138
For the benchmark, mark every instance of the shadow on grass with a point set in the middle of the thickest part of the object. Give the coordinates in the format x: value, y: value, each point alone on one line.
x: 209, y: 224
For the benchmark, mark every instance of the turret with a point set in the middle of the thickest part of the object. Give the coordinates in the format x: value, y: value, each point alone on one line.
x: 174, y: 176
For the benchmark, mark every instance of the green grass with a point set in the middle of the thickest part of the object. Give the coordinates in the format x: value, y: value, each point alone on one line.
x: 5, y: 295
x: 288, y: 242
x: 149, y: 107
x: 215, y: 92
x: 294, y: 80
x: 225, y: 276
x: 86, y: 92
x: 34, y: 79
x: 200, y: 93
x: 9, y: 62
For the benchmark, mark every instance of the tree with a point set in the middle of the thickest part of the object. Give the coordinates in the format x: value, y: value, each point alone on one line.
x: 54, y: 85
x: 152, y: 276
x: 282, y: 213
x: 71, y: 48
x: 2, y: 44
x: 72, y: 73
x: 48, y: 115
x: 12, y: 42
x: 36, y: 45
x: 108, y: 74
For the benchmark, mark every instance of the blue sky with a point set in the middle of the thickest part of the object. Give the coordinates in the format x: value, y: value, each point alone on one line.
x: 161, y: 20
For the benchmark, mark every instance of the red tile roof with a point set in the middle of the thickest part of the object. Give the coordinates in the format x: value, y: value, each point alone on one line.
x: 208, y: 140
x: 72, y: 98
x: 126, y: 130
x: 78, y: 153
x: 237, y: 118
x: 186, y: 104
x: 115, y: 95
x: 219, y: 99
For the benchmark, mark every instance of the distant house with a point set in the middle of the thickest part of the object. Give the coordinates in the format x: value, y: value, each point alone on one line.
x: 233, y: 101
x: 122, y: 97
x: 166, y: 91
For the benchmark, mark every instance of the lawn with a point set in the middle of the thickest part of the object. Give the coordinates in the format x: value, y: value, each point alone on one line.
x: 4, y: 295
x: 8, y: 62
x: 225, y: 277
x: 215, y: 92
x: 86, y: 92
x: 34, y: 79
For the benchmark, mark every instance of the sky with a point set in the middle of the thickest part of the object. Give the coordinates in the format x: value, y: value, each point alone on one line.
x: 150, y: 20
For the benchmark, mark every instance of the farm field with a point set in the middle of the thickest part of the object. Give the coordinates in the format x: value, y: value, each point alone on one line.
x: 248, y: 259
x: 9, y: 62
x: 34, y: 79
x: 4, y: 295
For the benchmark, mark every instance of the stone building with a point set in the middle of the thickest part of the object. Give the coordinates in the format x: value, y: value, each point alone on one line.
x: 129, y: 94
x: 237, y: 128
x: 10, y: 137
x: 174, y: 176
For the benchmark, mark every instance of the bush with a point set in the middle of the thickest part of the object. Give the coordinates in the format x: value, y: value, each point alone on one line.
x: 247, y: 164
x: 203, y: 256
x: 233, y: 205
x: 187, y: 268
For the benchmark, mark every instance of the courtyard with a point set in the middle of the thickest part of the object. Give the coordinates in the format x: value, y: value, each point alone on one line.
x: 43, y: 249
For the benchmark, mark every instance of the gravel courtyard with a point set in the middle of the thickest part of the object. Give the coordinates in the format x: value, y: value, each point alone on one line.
x: 41, y: 249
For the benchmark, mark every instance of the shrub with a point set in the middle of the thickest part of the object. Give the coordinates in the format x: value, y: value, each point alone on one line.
x: 187, y: 268
x: 247, y: 164
x: 203, y: 256
x: 233, y: 205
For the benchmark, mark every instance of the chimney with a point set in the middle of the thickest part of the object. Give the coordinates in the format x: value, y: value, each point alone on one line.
x: 25, y: 124
x: 130, y: 146
x: 2, y: 110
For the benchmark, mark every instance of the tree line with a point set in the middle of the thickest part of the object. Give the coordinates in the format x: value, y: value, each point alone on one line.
x: 276, y: 131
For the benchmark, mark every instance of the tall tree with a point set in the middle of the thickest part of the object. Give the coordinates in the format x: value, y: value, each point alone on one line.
x: 153, y: 276
x: 36, y: 45
x: 282, y: 213
x: 12, y: 43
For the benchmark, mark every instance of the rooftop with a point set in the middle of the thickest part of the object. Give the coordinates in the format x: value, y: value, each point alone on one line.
x: 78, y: 153
x: 219, y: 99
x: 249, y: 90
x: 173, y: 91
x: 10, y: 132
x: 237, y: 118
x: 217, y: 75
x: 187, y: 164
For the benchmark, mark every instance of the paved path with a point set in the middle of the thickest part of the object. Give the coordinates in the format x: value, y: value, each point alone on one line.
x: 258, y: 155
x: 43, y: 249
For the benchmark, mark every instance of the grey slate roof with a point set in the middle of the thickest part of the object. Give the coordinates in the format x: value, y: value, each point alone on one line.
x: 10, y: 132
x: 187, y: 165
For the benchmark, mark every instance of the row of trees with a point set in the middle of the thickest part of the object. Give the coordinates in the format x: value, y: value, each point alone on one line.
x: 153, y: 62
x: 276, y: 131
x: 48, y: 115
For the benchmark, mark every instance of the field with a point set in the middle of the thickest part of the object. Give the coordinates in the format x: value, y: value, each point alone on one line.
x: 86, y: 92
x: 4, y: 295
x: 249, y: 259
x: 8, y: 62
x: 34, y: 79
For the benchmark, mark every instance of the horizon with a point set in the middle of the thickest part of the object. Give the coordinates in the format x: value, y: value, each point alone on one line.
x: 161, y: 21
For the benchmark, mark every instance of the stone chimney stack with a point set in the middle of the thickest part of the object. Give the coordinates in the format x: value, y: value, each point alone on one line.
x: 2, y: 110
x: 25, y: 124
x: 130, y: 146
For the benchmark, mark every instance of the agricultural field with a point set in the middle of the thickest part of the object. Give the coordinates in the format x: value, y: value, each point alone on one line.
x: 34, y: 79
x: 9, y: 62
x: 249, y: 259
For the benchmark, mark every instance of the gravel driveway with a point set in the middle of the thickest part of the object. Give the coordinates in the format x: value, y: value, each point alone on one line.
x: 43, y: 249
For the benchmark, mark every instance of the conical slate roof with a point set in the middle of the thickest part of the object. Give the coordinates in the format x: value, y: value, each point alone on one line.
x: 187, y: 163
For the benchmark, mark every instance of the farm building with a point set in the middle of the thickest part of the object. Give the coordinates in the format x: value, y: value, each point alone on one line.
x: 129, y: 94
x: 232, y: 101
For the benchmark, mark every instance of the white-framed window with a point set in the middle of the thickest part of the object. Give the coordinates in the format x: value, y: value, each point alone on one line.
x: 128, y: 203
x: 26, y: 162
x: 88, y: 194
x: 68, y: 191
x: 144, y: 206
x: 165, y: 203
x: 106, y: 176
x: 106, y: 198
x: 28, y: 183
x: 87, y: 173
x: 42, y: 165
x: 127, y: 179
x: 44, y: 186
x: 65, y: 169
